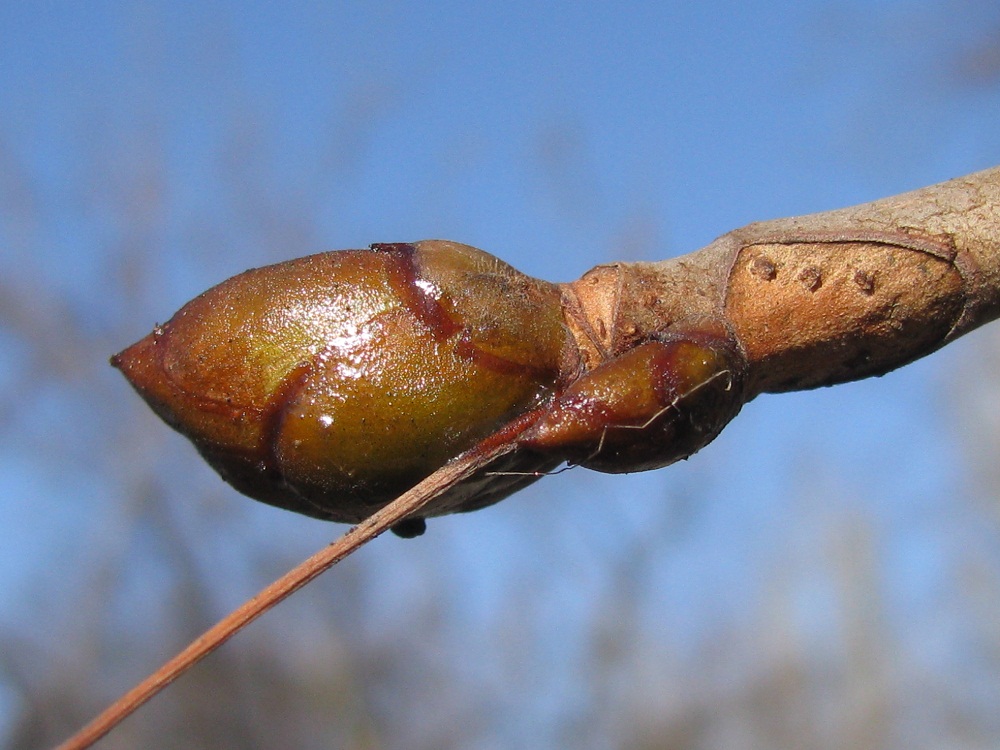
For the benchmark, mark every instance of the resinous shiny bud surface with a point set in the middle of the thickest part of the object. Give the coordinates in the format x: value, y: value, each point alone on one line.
x: 331, y: 383
x: 653, y: 405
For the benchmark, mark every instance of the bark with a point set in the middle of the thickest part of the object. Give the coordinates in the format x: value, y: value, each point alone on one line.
x: 820, y: 299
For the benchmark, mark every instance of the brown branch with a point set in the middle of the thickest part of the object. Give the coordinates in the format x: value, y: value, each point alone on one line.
x: 821, y: 299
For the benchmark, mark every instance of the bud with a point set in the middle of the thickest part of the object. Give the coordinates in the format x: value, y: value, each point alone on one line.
x: 330, y: 384
x: 657, y: 403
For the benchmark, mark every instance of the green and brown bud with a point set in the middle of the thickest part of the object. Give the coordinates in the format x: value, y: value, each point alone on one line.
x: 330, y: 384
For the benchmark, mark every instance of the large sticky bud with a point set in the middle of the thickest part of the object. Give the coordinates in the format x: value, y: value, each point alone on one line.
x: 655, y: 404
x: 332, y: 383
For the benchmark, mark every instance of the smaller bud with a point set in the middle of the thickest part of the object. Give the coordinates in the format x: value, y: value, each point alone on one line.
x: 655, y: 404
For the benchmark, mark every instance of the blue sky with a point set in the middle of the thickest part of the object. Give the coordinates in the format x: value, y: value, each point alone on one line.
x: 556, y: 137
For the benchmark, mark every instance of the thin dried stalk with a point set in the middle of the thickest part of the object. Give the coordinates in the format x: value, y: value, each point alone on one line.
x: 405, y: 505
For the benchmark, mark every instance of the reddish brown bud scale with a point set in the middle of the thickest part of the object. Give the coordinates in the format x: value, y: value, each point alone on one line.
x: 657, y: 403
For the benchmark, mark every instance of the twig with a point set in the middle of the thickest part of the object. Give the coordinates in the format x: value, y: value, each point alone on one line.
x: 403, y: 506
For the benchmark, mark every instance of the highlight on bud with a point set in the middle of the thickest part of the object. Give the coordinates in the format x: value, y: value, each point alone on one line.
x: 655, y: 404
x: 330, y: 384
